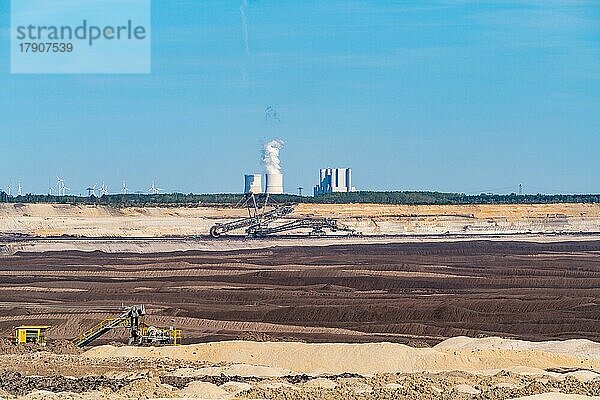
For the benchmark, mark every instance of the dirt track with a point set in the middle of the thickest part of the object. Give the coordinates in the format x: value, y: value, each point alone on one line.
x: 354, y: 293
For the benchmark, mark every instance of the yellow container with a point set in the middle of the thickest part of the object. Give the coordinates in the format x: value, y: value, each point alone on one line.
x: 31, y: 334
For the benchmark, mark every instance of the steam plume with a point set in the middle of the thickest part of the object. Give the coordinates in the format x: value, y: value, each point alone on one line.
x: 271, y: 156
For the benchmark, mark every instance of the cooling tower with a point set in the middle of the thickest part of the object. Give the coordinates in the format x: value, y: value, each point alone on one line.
x: 274, y: 183
x: 253, y: 183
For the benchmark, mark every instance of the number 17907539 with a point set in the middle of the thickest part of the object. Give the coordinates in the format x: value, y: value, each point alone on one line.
x: 46, y: 47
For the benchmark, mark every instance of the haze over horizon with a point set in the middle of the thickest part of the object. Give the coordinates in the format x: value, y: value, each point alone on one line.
x: 455, y: 96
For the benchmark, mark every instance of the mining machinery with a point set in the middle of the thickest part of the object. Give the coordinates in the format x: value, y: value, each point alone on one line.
x: 258, y: 222
x: 139, y: 333
x: 258, y: 217
x: 30, y: 334
x: 317, y: 226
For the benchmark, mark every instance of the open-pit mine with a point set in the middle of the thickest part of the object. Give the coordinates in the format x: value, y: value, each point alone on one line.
x: 448, y: 302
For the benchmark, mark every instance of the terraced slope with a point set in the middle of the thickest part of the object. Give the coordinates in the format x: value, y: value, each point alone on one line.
x: 370, y: 219
x: 355, y: 293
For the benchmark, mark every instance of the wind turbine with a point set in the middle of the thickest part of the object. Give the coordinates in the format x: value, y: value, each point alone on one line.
x: 103, y: 189
x: 125, y: 189
x: 154, y: 189
x: 19, y: 190
x: 91, y: 190
x: 9, y: 189
x: 60, y: 185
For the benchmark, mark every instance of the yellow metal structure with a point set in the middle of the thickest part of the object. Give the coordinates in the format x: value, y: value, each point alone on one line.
x: 176, y: 337
x: 169, y: 336
x: 103, y: 326
x: 139, y: 334
x: 31, y: 334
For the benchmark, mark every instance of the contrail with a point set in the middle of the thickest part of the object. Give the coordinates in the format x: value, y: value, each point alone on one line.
x: 244, y: 75
x: 245, y: 24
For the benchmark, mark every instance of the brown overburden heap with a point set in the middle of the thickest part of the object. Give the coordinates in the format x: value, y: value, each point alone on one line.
x: 352, y: 293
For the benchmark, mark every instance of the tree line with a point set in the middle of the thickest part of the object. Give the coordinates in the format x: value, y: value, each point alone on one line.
x: 229, y: 199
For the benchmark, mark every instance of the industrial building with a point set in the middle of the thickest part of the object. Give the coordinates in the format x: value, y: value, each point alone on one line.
x: 273, y: 183
x: 253, y: 183
x: 334, y: 180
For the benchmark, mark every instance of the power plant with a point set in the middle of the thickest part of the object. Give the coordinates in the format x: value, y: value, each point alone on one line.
x: 253, y: 183
x: 334, y: 180
x: 273, y: 177
x: 267, y: 217
x: 274, y: 183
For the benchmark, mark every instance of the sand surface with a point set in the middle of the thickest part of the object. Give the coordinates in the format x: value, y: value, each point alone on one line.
x: 457, y: 369
x: 370, y: 219
x: 463, y: 354
x: 556, y: 396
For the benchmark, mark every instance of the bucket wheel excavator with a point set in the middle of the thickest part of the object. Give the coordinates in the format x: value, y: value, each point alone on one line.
x: 262, y: 211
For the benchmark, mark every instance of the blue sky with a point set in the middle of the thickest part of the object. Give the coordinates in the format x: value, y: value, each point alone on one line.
x: 464, y: 96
